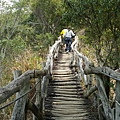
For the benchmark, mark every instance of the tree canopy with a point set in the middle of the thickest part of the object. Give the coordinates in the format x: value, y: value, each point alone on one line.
x: 37, y: 23
x: 101, y: 19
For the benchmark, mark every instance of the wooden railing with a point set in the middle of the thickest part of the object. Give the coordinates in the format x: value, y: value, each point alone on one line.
x: 87, y: 70
x: 21, y: 87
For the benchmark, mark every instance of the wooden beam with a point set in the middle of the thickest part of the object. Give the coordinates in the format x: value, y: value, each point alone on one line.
x: 19, y: 108
x: 103, y: 70
x: 117, y: 104
x: 35, y: 110
x: 17, y: 84
x: 38, y: 96
x: 104, y: 99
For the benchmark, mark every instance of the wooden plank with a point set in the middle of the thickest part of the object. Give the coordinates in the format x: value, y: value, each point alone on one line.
x: 69, y: 112
x: 64, y: 75
x: 68, y: 103
x: 63, y: 109
x: 67, y: 118
x: 64, y: 83
x: 65, y: 87
x: 49, y: 106
x: 70, y: 115
x: 65, y: 92
x: 65, y: 99
x: 58, y: 77
x: 65, y: 95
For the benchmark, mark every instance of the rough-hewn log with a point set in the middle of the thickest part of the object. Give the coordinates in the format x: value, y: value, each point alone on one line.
x: 19, y: 114
x: 44, y: 86
x: 117, y: 104
x: 104, y: 99
x: 87, y: 62
x: 83, y: 60
x: 38, y: 97
x: 101, y: 113
x: 91, y: 90
x: 82, y: 71
x: 52, y: 51
x: 18, y: 83
x: 19, y: 107
x: 35, y: 110
x: 103, y: 70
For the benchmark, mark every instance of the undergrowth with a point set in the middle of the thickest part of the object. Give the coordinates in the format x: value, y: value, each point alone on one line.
x: 28, y: 60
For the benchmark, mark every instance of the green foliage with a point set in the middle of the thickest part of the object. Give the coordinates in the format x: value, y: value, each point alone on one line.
x: 48, y: 14
x: 102, y: 20
x: 45, y: 39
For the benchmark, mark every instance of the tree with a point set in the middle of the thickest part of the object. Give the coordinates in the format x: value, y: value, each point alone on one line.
x: 101, y: 19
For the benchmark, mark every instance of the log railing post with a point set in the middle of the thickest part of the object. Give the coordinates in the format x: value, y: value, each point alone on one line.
x: 38, y: 97
x: 44, y: 86
x: 82, y: 71
x: 103, y: 97
x: 117, y: 104
x: 57, y: 51
x: 19, y: 108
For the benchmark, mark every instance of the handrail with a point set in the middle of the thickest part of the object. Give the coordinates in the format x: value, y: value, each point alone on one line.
x: 87, y: 68
x: 18, y: 83
x: 53, y: 53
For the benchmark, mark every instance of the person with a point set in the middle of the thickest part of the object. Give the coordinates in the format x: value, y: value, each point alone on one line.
x: 68, y: 39
x: 62, y: 33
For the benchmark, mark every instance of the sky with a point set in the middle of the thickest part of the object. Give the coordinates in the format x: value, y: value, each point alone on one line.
x: 1, y: 4
x: 8, y: 2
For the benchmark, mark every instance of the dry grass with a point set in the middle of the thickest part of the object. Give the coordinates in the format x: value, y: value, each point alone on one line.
x: 29, y: 60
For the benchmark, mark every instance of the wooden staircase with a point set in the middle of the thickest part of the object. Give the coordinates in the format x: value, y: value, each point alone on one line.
x: 65, y: 99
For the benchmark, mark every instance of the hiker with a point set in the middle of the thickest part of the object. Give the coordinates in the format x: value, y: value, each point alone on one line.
x: 68, y: 39
x: 63, y: 32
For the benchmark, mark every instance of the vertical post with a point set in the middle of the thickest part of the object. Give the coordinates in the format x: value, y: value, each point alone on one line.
x: 51, y: 64
x: 105, y: 102
x: 117, y: 104
x: 89, y: 81
x: 44, y: 86
x: 19, y: 108
x: 57, y: 51
x: 38, y: 97
x: 82, y: 72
